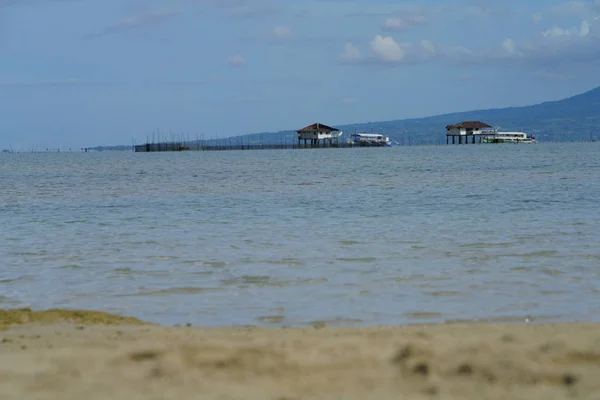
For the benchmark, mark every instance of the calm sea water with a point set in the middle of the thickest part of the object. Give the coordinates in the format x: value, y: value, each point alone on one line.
x: 346, y: 236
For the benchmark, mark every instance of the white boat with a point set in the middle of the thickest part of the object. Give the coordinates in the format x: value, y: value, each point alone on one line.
x: 507, y: 137
x: 369, y: 139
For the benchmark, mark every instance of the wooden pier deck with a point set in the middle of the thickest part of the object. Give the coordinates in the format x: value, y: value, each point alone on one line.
x: 162, y: 147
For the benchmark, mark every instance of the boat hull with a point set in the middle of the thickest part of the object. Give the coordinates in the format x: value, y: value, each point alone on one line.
x: 526, y: 141
x: 369, y: 140
x: 508, y: 137
x: 367, y: 144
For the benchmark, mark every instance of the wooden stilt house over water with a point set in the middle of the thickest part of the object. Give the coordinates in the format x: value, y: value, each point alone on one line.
x: 318, y: 135
x: 467, y: 129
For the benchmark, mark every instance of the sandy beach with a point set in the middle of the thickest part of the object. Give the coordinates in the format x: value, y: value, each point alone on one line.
x: 81, y: 354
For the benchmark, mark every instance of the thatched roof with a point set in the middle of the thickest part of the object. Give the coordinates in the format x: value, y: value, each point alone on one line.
x: 317, y: 127
x: 468, y: 125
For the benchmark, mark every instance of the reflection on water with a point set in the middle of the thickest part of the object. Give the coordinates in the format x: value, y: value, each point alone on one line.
x: 315, y: 237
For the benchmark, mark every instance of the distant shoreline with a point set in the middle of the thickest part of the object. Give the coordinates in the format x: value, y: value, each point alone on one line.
x: 99, y: 149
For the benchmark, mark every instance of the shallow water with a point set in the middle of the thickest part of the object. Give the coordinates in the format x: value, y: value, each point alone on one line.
x: 290, y: 237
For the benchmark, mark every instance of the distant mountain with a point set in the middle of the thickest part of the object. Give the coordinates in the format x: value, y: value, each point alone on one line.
x: 575, y: 118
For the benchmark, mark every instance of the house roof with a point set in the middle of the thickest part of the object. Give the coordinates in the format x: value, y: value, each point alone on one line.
x: 317, y: 127
x: 468, y: 125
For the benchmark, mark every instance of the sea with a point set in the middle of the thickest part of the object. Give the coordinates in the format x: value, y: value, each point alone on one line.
x: 506, y: 233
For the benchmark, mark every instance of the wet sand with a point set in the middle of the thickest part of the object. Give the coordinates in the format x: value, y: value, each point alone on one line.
x: 89, y: 355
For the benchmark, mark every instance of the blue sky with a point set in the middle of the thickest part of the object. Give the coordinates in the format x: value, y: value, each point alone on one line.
x: 76, y: 73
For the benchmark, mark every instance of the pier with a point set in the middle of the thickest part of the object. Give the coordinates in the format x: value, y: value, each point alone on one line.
x: 320, y: 136
x: 466, y: 130
x: 158, y: 147
x: 315, y: 136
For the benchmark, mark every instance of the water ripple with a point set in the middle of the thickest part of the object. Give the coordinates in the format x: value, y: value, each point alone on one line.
x: 331, y: 237
x: 174, y: 290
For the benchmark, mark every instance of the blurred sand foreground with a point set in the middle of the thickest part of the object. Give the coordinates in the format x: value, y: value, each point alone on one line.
x: 89, y: 355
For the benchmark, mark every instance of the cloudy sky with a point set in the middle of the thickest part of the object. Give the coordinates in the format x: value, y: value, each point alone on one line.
x: 77, y: 73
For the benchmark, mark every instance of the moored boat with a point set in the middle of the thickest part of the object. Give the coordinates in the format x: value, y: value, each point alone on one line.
x: 369, y: 139
x: 508, y: 137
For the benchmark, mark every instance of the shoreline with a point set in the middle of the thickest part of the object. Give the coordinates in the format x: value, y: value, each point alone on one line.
x: 78, y: 353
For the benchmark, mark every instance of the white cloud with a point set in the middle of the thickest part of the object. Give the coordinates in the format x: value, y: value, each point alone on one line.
x: 278, y: 35
x: 510, y: 46
x: 241, y: 8
x: 555, y: 31
x: 388, y: 50
x: 282, y: 32
x: 418, y: 20
x: 456, y: 53
x: 385, y: 50
x: 428, y: 49
x: 582, y: 30
x: 400, y: 23
x: 136, y: 22
x: 554, y: 45
x: 485, y: 10
x: 351, y: 53
x: 394, y: 24
x: 236, y: 61
x: 572, y: 8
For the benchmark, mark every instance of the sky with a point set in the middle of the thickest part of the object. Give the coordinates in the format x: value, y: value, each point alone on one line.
x: 83, y: 73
